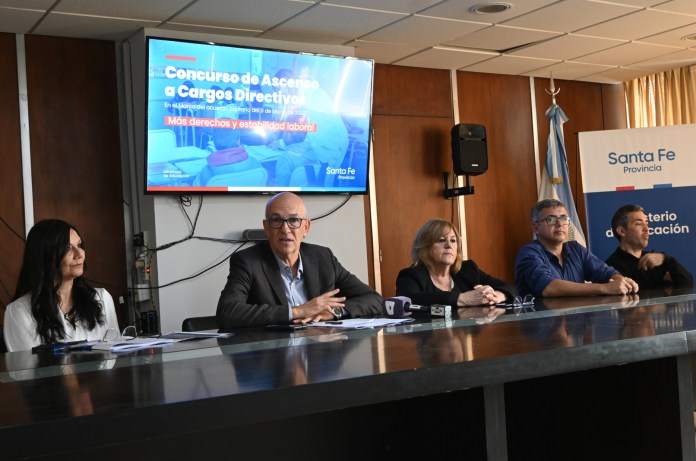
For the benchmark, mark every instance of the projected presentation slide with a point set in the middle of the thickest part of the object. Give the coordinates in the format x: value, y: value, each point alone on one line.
x: 226, y: 119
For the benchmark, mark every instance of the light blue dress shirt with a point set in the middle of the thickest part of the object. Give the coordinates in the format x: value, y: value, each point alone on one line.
x: 294, y: 287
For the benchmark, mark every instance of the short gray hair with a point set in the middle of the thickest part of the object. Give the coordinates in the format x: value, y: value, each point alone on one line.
x: 542, y: 205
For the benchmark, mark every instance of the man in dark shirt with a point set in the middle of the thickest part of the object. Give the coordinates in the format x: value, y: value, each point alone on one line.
x: 649, y: 269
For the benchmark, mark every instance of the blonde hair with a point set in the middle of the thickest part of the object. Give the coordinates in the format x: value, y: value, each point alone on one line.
x: 427, y: 236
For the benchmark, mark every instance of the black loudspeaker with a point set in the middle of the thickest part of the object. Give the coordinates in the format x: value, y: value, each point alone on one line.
x: 469, y: 151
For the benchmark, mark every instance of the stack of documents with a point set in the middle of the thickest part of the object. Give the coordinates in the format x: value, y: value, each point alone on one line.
x: 186, y: 335
x: 360, y: 323
x: 125, y: 345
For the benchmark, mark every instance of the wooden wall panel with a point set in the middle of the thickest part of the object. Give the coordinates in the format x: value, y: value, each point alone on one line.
x: 76, y: 159
x: 12, y: 203
x: 411, y: 151
x: 410, y: 156
x: 412, y: 91
x: 497, y: 214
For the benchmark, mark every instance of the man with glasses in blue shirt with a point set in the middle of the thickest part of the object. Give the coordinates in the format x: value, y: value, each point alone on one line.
x: 283, y: 280
x: 552, y: 266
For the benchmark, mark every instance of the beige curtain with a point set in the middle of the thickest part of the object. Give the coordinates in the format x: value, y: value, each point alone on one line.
x: 662, y: 99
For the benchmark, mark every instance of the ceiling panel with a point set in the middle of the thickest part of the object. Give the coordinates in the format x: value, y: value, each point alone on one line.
x: 638, y: 3
x: 678, y: 6
x: 333, y: 25
x: 138, y: 9
x: 674, y: 37
x: 618, y: 74
x: 570, y: 15
x: 210, y: 29
x: 666, y: 62
x: 567, y: 47
x: 423, y: 31
x: 503, y: 65
x: 570, y: 35
x: 568, y: 70
x: 71, y: 25
x: 28, y: 4
x: 384, y: 53
x: 397, y: 6
x: 501, y: 38
x: 627, y: 54
x: 240, y: 14
x: 640, y: 24
x: 15, y: 21
x: 461, y: 9
x: 441, y: 58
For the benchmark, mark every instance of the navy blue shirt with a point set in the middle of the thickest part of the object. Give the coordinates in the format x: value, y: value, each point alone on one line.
x: 536, y: 267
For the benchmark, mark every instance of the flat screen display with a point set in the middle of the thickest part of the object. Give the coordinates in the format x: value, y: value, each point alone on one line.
x: 227, y: 119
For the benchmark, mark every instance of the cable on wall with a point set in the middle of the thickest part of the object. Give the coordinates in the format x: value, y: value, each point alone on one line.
x: 186, y: 201
x: 334, y: 210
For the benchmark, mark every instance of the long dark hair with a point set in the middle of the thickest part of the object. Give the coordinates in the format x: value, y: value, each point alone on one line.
x: 47, y: 243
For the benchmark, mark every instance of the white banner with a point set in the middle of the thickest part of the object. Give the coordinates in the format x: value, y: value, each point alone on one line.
x: 651, y: 167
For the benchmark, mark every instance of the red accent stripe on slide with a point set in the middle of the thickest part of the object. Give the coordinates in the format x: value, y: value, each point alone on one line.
x: 180, y: 58
x: 626, y: 188
x: 186, y: 189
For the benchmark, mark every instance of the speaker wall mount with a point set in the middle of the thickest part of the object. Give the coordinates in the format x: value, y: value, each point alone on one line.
x: 457, y: 191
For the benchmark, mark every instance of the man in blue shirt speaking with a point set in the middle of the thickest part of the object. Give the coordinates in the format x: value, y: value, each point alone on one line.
x: 552, y: 266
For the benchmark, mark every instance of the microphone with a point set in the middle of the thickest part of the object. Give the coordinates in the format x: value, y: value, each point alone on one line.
x: 401, y: 306
x: 396, y: 308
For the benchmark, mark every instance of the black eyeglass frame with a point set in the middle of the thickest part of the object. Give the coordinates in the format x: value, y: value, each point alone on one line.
x: 552, y: 219
x: 277, y: 223
x: 520, y: 304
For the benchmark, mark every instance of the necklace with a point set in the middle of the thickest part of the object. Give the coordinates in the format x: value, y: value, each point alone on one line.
x: 69, y: 316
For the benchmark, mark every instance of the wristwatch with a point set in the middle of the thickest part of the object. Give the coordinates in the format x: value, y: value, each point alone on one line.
x: 337, y: 313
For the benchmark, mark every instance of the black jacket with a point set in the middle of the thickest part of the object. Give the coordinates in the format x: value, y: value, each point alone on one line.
x: 415, y: 283
x: 255, y: 295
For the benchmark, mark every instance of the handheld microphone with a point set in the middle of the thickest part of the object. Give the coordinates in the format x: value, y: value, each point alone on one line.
x: 396, y: 308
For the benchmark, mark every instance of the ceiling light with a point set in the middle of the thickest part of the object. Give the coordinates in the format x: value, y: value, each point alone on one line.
x: 689, y: 37
x: 490, y: 8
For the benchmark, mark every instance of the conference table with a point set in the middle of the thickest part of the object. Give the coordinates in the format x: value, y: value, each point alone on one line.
x: 565, y: 379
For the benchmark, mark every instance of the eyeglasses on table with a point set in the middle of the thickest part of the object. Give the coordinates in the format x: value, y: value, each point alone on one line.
x: 520, y: 304
x: 112, y: 334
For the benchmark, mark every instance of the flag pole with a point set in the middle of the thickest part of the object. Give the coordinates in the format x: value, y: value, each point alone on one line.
x: 553, y: 91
